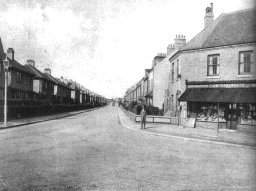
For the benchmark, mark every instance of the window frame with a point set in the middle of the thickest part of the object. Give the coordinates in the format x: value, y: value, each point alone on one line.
x: 212, y: 65
x: 19, y: 77
x: 173, y: 72
x: 250, y: 65
x: 178, y: 69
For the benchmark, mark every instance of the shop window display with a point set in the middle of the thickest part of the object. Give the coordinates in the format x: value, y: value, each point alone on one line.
x: 247, y: 114
x: 209, y: 112
x: 244, y: 114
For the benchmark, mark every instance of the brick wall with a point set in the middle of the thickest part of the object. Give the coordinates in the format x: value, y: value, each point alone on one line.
x: 193, y: 67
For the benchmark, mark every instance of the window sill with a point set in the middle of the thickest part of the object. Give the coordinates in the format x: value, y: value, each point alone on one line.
x: 215, y: 77
x: 245, y: 76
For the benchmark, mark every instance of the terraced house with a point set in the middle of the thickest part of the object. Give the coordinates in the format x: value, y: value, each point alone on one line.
x: 43, y: 85
x: 213, y: 77
x: 20, y: 83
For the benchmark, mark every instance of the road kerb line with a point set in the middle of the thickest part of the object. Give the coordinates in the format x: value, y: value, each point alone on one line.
x: 185, y: 138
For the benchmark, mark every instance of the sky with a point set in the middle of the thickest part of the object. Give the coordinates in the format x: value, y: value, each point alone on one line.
x: 104, y: 45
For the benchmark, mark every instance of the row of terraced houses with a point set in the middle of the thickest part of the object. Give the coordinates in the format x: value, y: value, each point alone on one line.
x: 211, y: 79
x: 31, y: 91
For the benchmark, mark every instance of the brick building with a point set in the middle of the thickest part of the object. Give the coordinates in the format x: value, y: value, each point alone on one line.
x: 161, y: 74
x: 214, y: 74
x: 20, y: 84
x: 43, y: 85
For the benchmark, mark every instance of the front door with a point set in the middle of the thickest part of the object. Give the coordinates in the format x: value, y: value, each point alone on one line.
x: 232, y: 116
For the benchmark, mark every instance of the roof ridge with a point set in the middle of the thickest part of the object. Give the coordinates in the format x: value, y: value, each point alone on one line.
x: 241, y: 10
x: 34, y: 70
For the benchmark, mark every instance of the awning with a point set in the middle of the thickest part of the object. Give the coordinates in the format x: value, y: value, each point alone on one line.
x: 220, y: 95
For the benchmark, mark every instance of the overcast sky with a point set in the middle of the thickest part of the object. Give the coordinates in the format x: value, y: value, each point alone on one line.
x: 104, y: 45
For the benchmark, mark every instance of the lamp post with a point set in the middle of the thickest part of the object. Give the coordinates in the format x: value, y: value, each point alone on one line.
x: 6, y: 68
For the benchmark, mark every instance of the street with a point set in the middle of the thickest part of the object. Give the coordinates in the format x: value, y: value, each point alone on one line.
x: 93, y: 151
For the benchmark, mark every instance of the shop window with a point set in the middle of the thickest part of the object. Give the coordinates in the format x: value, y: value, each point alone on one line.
x: 213, y: 65
x: 245, y: 62
x: 209, y: 112
x: 247, y: 114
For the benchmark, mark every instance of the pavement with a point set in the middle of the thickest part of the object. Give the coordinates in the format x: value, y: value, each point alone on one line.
x: 32, y: 120
x: 223, y: 137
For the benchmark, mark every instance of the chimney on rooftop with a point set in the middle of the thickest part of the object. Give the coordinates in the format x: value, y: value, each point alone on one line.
x: 209, y: 17
x: 31, y: 62
x: 179, y: 41
x: 170, y: 49
x: 10, y: 53
x: 47, y: 71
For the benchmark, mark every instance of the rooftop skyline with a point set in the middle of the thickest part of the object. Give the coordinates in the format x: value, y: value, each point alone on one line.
x: 103, y: 45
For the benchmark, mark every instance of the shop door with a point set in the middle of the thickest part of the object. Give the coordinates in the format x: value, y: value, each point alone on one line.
x: 232, y: 117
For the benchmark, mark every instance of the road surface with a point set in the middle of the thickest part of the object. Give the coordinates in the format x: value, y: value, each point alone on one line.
x: 92, y: 151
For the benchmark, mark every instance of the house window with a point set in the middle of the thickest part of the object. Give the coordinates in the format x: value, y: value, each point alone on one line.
x: 18, y: 77
x: 245, y: 62
x: 213, y: 65
x: 172, y: 72
x: 178, y: 68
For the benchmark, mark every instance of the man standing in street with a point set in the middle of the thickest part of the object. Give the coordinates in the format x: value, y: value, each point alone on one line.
x: 143, y: 115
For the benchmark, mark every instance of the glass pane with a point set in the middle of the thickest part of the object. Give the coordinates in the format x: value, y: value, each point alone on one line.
x: 247, y: 57
x: 241, y: 57
x: 247, y: 67
x: 214, y: 70
x: 217, y: 70
x: 241, y: 69
x: 215, y: 61
x: 210, y: 70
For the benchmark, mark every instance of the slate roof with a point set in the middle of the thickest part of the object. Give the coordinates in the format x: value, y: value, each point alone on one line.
x: 57, y: 81
x: 16, y: 65
x: 13, y: 63
x: 38, y: 73
x: 228, y: 29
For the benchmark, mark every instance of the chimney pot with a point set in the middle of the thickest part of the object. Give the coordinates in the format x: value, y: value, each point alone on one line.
x: 47, y: 71
x: 10, y: 53
x: 31, y: 62
x: 209, y: 16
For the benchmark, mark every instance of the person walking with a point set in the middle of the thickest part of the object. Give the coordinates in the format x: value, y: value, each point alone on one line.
x: 143, y: 116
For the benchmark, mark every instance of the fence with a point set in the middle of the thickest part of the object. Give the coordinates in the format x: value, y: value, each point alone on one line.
x: 153, y: 118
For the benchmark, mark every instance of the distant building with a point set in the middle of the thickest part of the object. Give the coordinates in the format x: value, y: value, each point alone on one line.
x: 162, y: 71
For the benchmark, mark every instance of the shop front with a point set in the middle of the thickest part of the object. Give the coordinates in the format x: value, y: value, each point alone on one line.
x: 229, y: 108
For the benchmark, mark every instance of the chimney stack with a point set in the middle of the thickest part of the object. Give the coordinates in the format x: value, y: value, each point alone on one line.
x: 10, y: 53
x: 47, y: 71
x: 179, y: 41
x: 209, y: 17
x: 31, y: 62
x: 170, y: 49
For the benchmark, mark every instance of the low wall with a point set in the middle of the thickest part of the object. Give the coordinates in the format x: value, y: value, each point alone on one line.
x: 210, y: 125
x: 21, y: 111
x: 153, y: 118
